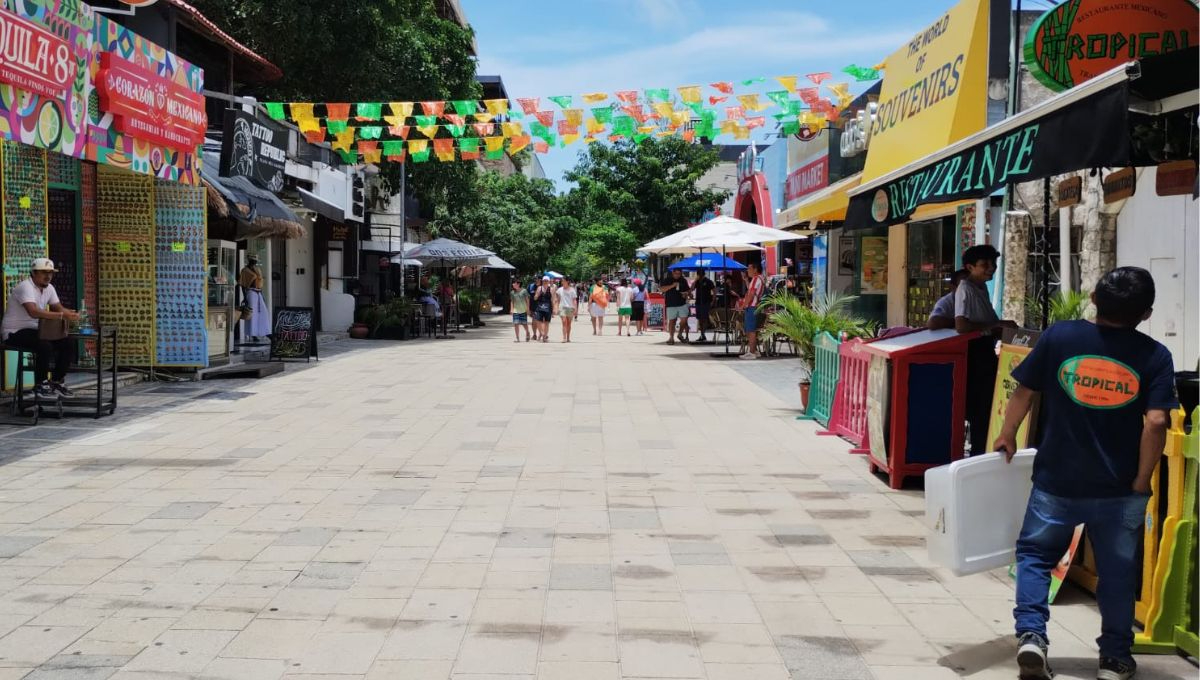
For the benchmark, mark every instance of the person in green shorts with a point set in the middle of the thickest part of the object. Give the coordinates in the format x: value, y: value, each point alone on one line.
x: 624, y: 308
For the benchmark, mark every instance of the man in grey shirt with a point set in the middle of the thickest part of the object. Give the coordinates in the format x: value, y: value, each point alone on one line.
x: 973, y: 311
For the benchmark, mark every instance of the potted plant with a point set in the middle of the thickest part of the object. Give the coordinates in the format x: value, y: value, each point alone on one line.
x: 800, y: 323
x: 393, y: 319
x: 364, y: 318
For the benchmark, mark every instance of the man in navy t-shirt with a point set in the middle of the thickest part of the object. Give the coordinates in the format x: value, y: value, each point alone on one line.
x: 1106, y: 391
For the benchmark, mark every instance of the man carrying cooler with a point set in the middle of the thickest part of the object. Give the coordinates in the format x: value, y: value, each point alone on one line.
x: 1106, y: 392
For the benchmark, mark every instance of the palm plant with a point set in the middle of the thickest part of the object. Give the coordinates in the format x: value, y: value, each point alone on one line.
x: 1065, y: 305
x: 800, y: 323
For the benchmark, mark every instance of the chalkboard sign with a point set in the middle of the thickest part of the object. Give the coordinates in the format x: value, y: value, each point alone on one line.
x: 655, y: 311
x: 292, y: 334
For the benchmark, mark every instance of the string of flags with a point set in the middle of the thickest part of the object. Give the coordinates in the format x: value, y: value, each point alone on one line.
x: 469, y: 129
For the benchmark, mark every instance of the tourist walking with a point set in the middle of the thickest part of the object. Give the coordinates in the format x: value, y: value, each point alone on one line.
x: 543, y: 309
x: 520, y: 310
x: 638, y: 312
x: 749, y: 306
x: 704, y: 290
x: 568, y: 306
x: 1106, y: 393
x: 598, y: 307
x: 675, y: 288
x: 624, y: 308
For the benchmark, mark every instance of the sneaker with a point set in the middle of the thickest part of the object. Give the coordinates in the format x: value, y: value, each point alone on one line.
x: 63, y: 390
x: 45, y: 390
x: 1031, y: 657
x: 701, y: 338
x: 1116, y: 669
x: 748, y: 355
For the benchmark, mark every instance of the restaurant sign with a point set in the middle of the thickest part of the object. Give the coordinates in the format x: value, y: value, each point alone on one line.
x: 150, y: 107
x: 1087, y: 134
x: 34, y: 59
x: 255, y: 149
x: 1080, y: 39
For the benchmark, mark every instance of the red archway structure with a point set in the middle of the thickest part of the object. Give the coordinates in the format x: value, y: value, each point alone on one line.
x: 753, y: 204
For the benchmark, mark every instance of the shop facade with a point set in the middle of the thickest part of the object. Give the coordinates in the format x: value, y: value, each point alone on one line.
x: 101, y: 173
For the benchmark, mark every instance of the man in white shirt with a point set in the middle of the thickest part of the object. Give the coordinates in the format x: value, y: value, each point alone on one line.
x: 624, y: 308
x: 31, y: 301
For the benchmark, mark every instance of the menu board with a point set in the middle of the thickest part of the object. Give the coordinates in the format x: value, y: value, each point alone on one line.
x: 292, y: 334
x: 873, y: 268
x: 655, y: 311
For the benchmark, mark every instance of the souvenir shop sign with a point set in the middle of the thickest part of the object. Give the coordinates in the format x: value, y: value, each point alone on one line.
x: 34, y: 59
x: 1080, y: 39
x: 934, y: 92
x: 150, y: 107
x: 807, y: 166
x: 254, y: 149
x: 1089, y: 133
x: 44, y: 52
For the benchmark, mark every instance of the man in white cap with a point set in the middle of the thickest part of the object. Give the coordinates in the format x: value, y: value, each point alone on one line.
x: 31, y: 301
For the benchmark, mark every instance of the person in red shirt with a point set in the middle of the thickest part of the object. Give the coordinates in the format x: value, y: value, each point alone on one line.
x: 749, y: 307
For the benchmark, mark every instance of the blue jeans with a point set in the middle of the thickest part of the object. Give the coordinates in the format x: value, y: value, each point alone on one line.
x: 1114, y: 526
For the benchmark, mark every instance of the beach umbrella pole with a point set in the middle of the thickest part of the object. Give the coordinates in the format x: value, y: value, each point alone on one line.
x: 728, y: 318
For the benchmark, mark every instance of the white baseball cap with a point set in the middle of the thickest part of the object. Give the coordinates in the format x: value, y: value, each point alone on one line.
x: 43, y: 264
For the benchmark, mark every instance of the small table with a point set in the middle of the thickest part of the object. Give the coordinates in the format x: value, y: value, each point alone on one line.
x: 97, y: 406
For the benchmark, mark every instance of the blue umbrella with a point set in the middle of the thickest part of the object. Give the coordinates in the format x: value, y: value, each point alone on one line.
x: 712, y: 261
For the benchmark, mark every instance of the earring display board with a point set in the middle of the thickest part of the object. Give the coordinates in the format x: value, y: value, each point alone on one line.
x: 181, y: 335
x: 24, y: 210
x: 91, y: 275
x: 125, y: 243
x: 63, y: 171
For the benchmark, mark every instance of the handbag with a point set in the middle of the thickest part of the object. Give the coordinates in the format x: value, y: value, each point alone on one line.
x: 246, y: 312
x: 53, y: 329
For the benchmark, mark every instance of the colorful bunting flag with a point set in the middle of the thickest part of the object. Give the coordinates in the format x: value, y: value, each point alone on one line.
x: 494, y: 155
x: 680, y: 118
x: 344, y: 140
x: 574, y: 116
x: 434, y: 109
x: 541, y: 147
x: 751, y: 102
x: 753, y: 81
x: 530, y: 105
x: 512, y: 129
x: 638, y: 139
x: 861, y: 74
x: 741, y: 132
x: 444, y: 148
x: 569, y: 139
x: 301, y: 111
x: 842, y: 92
x: 658, y: 94
x: 335, y: 126
x: 337, y: 111
x: 393, y: 148
x: 370, y: 151
x: 417, y: 146
x: 307, y: 125
x: 314, y: 136
x: 468, y: 144
x: 484, y: 129
x: 370, y: 132
x: 789, y: 127
x: 425, y: 121
x: 628, y: 96
x: 367, y: 111
x: 465, y: 107
x: 456, y: 131
x: 401, y: 109
x: 734, y: 112
x: 756, y: 122
x: 635, y: 111
x: 714, y: 100
x: 429, y: 131
x: 545, y: 117
x: 516, y: 114
x: 493, y: 143
x: 818, y: 78
x: 348, y: 156
x: 689, y: 135
x: 420, y: 156
x: 646, y: 129
x: 563, y: 101
x: 595, y: 127
x: 723, y: 87
x: 566, y: 128
x: 664, y: 109
x: 603, y: 114
x: 275, y: 110
x: 809, y: 95
x: 518, y: 142
x: 788, y: 82
x: 496, y: 107
x: 594, y: 97
x: 484, y: 116
x: 455, y: 119
x: 539, y: 130
x: 623, y: 125
x: 400, y: 131
x: 780, y: 97
x: 696, y: 107
x: 689, y: 93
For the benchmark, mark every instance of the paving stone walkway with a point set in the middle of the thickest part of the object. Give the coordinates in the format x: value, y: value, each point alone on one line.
x: 475, y: 508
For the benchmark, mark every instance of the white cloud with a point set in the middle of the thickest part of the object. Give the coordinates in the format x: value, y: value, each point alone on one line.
x: 663, y: 13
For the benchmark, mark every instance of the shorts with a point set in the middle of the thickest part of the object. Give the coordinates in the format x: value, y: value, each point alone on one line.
x: 625, y: 311
x: 680, y: 312
x: 541, y: 316
x: 750, y: 320
x: 567, y: 312
x: 639, y: 311
x: 596, y: 309
x: 520, y: 318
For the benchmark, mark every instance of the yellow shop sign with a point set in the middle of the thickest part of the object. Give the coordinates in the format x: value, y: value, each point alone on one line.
x: 934, y: 91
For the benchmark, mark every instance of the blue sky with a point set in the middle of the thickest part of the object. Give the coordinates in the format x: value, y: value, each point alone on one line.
x: 550, y: 47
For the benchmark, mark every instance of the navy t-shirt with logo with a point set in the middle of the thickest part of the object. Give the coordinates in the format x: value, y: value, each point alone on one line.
x: 1096, y: 384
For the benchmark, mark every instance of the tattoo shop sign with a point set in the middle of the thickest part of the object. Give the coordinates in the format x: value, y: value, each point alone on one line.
x: 1090, y: 133
x: 255, y: 149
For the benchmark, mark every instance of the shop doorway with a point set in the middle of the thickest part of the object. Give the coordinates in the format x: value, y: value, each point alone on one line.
x: 62, y: 244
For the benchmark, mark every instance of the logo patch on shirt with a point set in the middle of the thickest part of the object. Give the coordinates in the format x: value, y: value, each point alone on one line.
x: 1098, y: 382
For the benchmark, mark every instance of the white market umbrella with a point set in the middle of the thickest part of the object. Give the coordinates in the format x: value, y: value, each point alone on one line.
x: 722, y: 233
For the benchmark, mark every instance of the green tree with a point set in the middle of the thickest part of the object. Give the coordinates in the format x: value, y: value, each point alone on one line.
x: 652, y: 186
x: 378, y: 51
x: 514, y: 216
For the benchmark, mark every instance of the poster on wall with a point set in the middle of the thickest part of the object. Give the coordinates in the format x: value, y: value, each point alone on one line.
x: 254, y: 149
x: 819, y: 262
x: 44, y: 75
x: 873, y: 279
x: 145, y: 105
x: 847, y: 255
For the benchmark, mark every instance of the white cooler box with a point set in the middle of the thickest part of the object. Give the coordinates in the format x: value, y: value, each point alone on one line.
x: 974, y: 508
